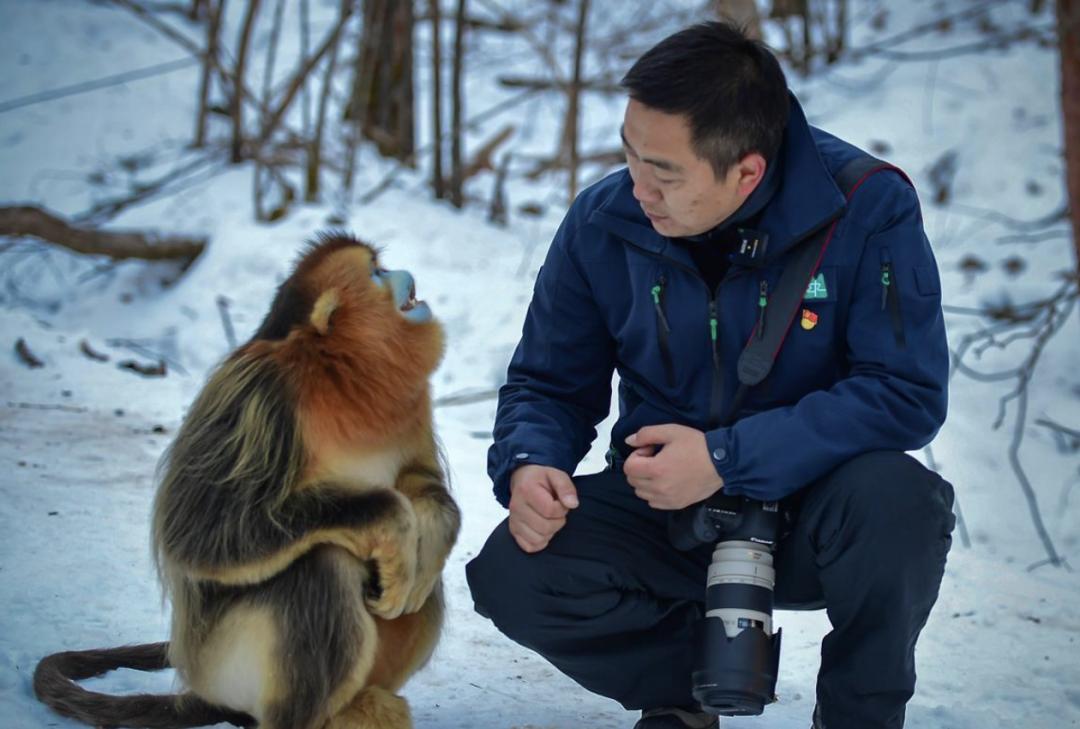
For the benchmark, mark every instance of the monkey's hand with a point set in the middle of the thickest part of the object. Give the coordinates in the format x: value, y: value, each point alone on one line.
x: 394, y: 550
x: 428, y: 572
x: 438, y: 518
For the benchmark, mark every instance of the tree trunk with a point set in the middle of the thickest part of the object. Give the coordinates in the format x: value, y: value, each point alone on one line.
x: 237, y: 110
x: 457, y: 196
x: 574, y: 97
x: 1069, y: 38
x: 213, y: 26
x: 743, y: 14
x: 382, y: 93
x: 436, y: 88
x: 314, y: 158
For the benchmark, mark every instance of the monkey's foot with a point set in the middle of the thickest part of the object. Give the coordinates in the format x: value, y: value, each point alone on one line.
x: 374, y: 708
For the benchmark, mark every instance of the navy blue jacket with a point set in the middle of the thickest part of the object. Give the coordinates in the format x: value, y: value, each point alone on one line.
x: 848, y: 384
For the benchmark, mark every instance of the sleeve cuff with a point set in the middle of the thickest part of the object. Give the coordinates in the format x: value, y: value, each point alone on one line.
x: 721, y: 445
x: 518, y: 459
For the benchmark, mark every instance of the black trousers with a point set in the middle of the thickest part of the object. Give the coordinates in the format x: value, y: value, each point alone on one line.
x: 612, y: 604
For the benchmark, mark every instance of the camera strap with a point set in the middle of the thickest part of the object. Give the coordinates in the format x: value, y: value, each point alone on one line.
x: 785, y: 301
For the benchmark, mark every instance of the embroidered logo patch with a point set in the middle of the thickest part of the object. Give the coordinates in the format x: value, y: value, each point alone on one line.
x: 809, y: 319
x: 817, y: 288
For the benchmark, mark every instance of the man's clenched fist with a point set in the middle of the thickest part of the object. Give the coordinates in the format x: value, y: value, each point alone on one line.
x: 540, y: 499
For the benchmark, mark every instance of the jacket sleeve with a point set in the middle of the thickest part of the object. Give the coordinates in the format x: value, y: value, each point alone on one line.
x: 894, y: 396
x: 558, y: 386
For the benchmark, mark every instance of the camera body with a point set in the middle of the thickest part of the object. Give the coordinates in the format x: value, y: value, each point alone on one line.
x: 737, y: 655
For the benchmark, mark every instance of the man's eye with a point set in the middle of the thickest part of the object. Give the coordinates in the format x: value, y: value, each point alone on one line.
x: 662, y: 181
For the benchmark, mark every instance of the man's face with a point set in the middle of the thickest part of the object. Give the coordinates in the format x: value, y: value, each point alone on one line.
x: 677, y: 189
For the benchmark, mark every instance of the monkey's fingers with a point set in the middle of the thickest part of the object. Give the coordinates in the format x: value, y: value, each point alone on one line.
x: 397, y: 577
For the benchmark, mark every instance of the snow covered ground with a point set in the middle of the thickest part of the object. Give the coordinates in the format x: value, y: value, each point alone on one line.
x: 79, y: 439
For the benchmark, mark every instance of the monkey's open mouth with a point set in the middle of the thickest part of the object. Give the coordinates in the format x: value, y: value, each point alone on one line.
x: 411, y: 302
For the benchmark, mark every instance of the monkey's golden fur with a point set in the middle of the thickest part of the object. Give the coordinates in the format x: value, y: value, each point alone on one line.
x: 302, y: 520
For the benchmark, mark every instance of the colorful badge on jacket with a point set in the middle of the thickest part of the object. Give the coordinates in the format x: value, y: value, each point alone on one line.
x: 809, y: 319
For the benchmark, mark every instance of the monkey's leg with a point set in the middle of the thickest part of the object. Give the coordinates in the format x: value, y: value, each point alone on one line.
x: 438, y: 521
x: 311, y: 653
x: 374, y: 708
x: 406, y: 643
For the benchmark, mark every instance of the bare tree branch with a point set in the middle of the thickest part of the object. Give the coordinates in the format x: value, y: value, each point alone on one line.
x: 1039, y: 320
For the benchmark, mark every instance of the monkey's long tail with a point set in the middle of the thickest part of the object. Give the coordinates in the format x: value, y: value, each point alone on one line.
x: 56, y: 674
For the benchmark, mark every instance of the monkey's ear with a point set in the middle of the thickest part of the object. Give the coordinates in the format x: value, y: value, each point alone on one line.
x: 323, y: 309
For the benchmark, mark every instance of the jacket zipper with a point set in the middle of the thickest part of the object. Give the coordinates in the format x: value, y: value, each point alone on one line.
x: 714, y: 328
x: 663, y: 330
x: 890, y: 298
x: 718, y: 373
x: 715, y: 415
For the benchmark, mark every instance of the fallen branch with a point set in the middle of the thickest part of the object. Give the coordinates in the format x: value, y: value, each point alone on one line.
x: 138, y: 347
x: 466, y: 398
x: 156, y: 370
x: 226, y: 321
x: 36, y: 222
x: 85, y: 348
x: 45, y: 406
x: 560, y: 162
x: 601, y: 85
x: 482, y: 159
x: 22, y: 349
x: 1068, y: 438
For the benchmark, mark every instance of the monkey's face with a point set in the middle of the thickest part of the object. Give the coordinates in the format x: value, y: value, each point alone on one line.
x: 342, y: 309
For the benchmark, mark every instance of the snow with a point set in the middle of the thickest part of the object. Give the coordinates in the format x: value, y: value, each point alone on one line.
x: 79, y: 439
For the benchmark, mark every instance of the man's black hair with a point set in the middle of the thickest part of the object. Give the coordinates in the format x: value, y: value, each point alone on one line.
x: 730, y: 88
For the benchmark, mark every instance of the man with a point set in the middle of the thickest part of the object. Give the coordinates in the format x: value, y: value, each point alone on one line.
x: 649, y: 275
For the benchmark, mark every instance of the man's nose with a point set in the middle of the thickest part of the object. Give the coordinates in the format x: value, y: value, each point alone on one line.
x: 644, y: 193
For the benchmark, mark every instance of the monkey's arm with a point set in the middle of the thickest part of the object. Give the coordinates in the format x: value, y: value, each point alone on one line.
x: 221, y: 538
x: 438, y: 521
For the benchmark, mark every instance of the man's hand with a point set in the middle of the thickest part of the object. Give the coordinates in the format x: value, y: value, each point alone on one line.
x: 680, y: 474
x: 540, y: 499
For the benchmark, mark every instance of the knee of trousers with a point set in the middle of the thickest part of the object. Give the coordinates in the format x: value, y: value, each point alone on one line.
x: 507, y: 584
x: 890, y: 498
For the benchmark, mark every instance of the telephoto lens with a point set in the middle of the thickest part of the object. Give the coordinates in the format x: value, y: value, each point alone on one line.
x: 740, y: 587
x: 738, y: 655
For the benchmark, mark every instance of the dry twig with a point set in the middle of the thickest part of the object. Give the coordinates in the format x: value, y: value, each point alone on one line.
x: 22, y: 349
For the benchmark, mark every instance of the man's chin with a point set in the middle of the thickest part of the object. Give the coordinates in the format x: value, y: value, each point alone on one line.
x: 666, y: 226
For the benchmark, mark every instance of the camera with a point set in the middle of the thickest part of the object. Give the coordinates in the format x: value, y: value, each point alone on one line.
x: 737, y: 656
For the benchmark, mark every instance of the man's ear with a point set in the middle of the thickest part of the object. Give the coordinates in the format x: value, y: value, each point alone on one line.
x: 750, y: 169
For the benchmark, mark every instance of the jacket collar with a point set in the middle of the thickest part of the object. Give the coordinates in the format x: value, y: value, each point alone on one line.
x: 806, y: 197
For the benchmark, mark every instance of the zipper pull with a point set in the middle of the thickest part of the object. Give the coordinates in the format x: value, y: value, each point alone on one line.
x: 657, y: 292
x: 762, y: 302
x: 886, y: 271
x: 713, y: 323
